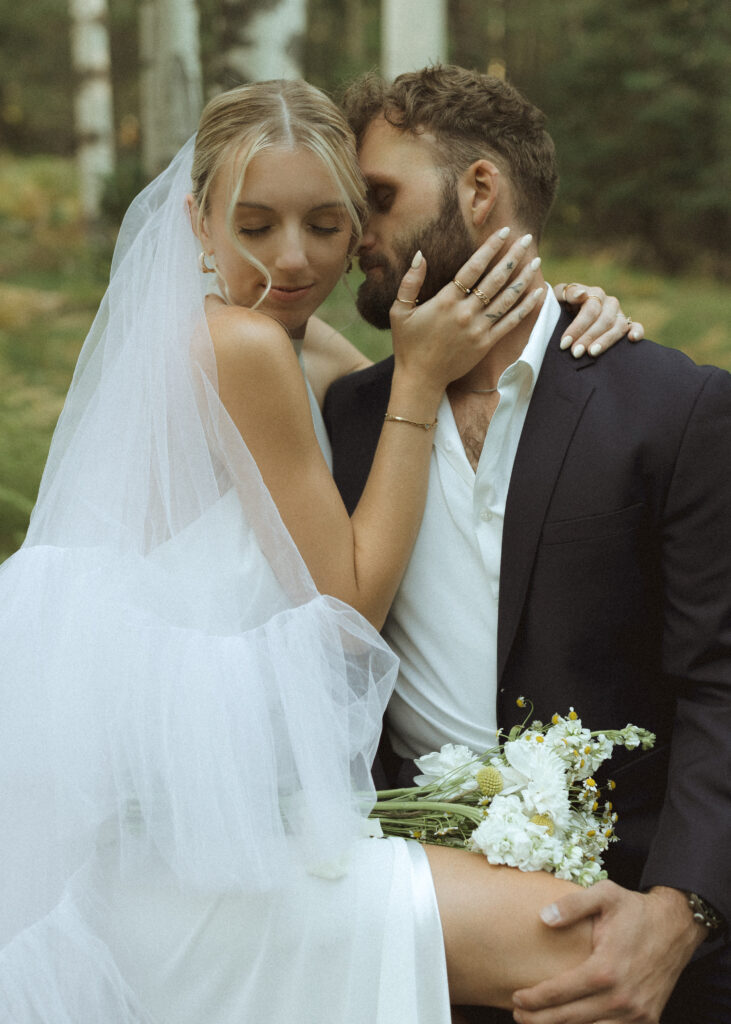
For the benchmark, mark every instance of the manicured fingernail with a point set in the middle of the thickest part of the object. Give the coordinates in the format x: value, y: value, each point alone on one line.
x: 634, y: 335
x: 526, y: 241
x: 417, y: 260
x: 578, y: 352
x: 503, y: 232
x: 550, y: 914
x: 566, y: 341
x: 595, y: 349
x: 537, y: 293
x: 535, y: 264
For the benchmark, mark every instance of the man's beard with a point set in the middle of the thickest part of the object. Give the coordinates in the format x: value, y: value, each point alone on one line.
x: 446, y: 245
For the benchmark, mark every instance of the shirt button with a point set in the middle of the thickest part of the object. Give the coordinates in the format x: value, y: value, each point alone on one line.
x: 485, y: 515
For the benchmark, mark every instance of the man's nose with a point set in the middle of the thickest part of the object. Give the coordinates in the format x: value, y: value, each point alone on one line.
x: 368, y: 238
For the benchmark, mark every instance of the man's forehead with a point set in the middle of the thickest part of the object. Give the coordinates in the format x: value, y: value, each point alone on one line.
x: 386, y: 151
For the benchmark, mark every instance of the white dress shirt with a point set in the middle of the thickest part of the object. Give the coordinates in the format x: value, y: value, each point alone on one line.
x: 443, y: 622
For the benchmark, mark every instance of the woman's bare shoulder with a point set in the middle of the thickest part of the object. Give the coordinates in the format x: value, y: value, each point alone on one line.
x: 246, y: 339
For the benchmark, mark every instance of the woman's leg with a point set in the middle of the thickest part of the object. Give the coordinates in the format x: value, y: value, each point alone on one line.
x: 494, y: 938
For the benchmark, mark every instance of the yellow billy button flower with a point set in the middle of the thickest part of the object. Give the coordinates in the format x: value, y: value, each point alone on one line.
x: 544, y: 819
x: 490, y: 780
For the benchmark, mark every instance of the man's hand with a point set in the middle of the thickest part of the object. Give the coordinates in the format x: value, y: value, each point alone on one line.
x: 641, y: 943
x: 600, y: 321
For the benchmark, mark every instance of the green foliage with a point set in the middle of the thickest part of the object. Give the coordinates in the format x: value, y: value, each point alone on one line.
x: 35, y: 78
x: 343, y: 40
x: 642, y: 102
x: 120, y: 188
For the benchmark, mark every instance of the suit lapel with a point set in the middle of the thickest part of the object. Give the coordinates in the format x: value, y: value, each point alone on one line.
x: 558, y: 401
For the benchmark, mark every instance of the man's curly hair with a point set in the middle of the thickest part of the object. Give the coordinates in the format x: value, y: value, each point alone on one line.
x: 472, y: 116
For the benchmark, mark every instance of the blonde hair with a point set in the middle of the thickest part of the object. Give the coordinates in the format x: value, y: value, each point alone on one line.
x: 242, y: 122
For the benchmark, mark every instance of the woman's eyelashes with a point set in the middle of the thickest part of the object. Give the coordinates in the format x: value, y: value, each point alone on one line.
x: 317, y: 229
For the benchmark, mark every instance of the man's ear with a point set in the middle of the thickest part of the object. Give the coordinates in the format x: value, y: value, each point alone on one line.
x: 481, y: 181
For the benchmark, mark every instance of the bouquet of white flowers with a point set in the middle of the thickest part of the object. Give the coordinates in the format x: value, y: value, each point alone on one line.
x: 530, y: 802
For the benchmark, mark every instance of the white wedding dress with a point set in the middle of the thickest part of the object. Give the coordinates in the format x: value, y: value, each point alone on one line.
x: 186, y: 725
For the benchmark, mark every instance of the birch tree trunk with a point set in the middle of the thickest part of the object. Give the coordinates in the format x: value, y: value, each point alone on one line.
x: 93, y: 109
x: 413, y: 33
x: 262, y: 39
x: 171, y: 81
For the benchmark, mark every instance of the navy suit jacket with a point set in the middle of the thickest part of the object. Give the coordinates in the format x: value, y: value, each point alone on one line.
x: 615, y: 583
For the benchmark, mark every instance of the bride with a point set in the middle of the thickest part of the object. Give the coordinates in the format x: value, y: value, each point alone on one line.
x: 192, y: 687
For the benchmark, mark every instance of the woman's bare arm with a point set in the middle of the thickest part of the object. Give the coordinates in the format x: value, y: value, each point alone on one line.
x: 360, y: 559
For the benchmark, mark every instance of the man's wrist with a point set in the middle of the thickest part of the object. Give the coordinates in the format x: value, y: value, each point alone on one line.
x: 680, y: 912
x: 705, y: 914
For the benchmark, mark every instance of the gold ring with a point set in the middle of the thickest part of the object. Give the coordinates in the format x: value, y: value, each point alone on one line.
x: 481, y: 296
x: 629, y: 321
x: 462, y: 287
x: 407, y: 302
x: 563, y: 297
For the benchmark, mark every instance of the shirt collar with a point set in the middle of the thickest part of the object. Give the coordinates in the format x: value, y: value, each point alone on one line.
x: 533, y: 353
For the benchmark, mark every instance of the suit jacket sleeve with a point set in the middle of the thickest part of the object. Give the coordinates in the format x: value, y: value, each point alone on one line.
x: 691, y: 847
x: 353, y: 412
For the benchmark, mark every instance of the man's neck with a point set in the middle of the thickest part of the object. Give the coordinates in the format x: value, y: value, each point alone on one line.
x: 503, y: 353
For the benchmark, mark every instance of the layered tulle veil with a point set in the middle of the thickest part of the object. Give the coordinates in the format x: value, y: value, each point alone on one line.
x: 170, y: 679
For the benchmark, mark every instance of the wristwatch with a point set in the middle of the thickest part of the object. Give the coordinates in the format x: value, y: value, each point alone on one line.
x: 705, y: 914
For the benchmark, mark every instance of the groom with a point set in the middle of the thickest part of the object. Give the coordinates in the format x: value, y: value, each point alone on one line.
x: 575, y: 547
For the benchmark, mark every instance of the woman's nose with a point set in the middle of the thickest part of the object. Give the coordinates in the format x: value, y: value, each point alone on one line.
x: 293, y: 254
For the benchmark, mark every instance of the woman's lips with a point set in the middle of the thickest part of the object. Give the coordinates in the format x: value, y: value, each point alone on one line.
x: 287, y: 294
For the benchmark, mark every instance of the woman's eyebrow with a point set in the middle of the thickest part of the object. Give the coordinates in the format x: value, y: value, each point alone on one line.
x: 334, y: 205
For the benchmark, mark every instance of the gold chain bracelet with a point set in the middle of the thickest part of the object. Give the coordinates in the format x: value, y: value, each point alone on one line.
x: 414, y: 423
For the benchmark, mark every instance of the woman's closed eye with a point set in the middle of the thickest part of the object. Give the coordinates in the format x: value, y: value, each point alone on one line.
x: 326, y: 229
x: 317, y: 229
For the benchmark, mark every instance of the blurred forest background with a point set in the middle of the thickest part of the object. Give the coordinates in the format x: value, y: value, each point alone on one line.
x: 638, y: 98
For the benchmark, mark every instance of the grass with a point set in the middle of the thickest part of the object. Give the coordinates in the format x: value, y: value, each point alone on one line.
x: 53, y: 277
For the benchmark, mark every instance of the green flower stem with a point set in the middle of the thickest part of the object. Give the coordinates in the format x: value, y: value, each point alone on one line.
x: 421, y: 808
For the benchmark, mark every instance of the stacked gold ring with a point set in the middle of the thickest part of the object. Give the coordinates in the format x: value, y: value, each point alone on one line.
x: 462, y: 287
x: 481, y: 296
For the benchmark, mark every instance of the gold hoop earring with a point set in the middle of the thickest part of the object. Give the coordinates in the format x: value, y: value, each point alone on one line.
x: 348, y: 265
x: 205, y: 269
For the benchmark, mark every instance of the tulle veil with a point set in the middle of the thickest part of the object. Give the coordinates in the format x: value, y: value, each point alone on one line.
x: 169, y: 681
